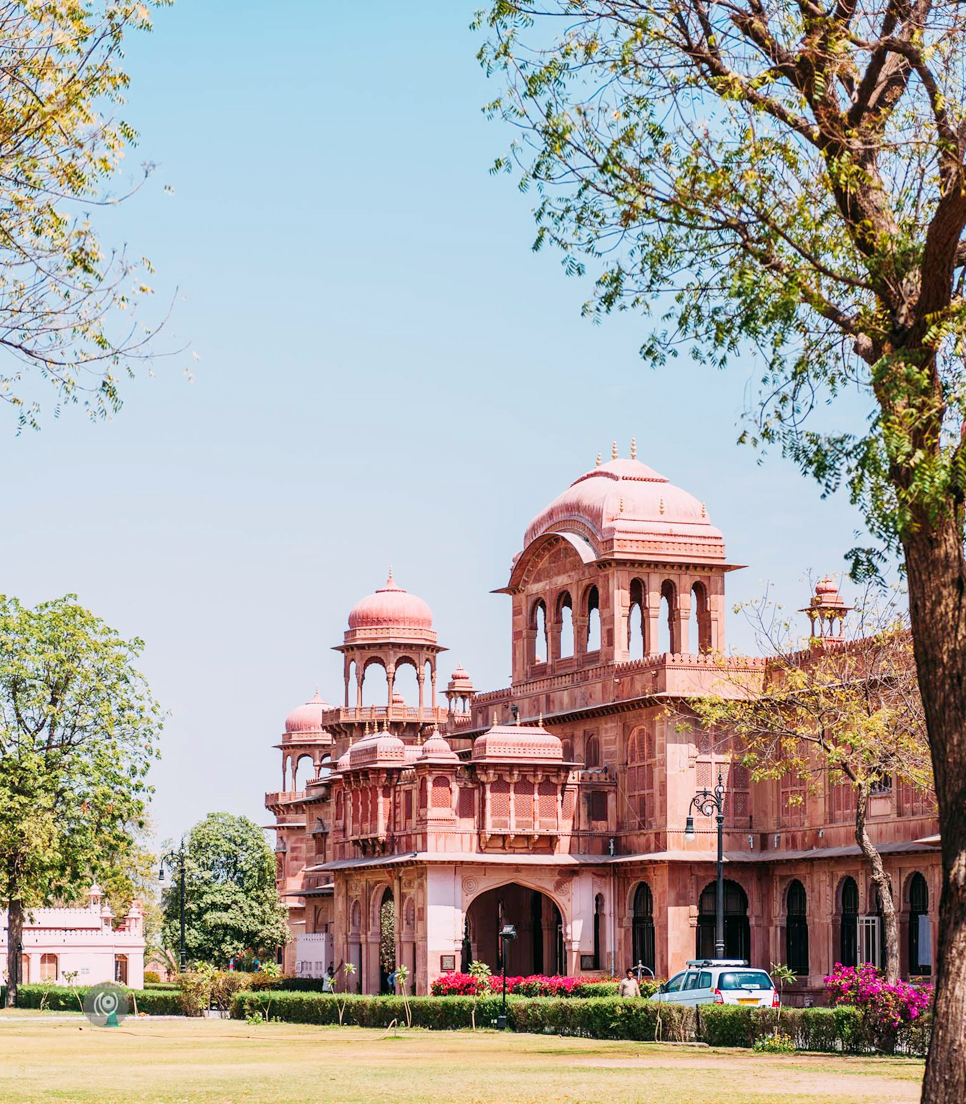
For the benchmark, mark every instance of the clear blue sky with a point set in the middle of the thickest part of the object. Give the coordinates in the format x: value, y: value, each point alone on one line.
x: 387, y: 374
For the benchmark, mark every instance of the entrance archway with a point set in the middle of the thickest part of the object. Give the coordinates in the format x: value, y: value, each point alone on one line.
x: 539, y: 945
x: 387, y: 941
x: 737, y: 931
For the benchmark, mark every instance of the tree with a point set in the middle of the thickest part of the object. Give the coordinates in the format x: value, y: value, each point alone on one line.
x: 67, y: 306
x: 78, y: 729
x: 788, y: 179
x: 840, y: 712
x: 231, y: 902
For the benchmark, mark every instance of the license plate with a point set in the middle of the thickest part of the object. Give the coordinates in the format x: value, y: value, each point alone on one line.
x: 747, y: 1000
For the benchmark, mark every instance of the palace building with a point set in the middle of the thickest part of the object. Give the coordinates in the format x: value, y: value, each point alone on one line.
x: 558, y: 804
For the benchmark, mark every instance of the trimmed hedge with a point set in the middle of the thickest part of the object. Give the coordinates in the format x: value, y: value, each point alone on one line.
x: 593, y: 1017
x: 63, y: 998
x: 838, y: 1030
x: 844, y: 1029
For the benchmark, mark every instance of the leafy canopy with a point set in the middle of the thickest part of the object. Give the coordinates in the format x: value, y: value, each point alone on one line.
x: 78, y: 732
x: 68, y: 308
x: 783, y: 177
x: 231, y: 901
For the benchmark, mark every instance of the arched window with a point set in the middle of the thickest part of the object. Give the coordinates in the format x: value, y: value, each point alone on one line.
x: 593, y: 620
x: 635, y: 621
x: 665, y: 628
x: 565, y: 624
x: 849, y: 931
x: 538, y: 625
x: 405, y: 683
x: 920, y: 933
x: 120, y: 969
x: 796, y: 929
x: 375, y: 685
x: 642, y: 929
x: 737, y: 931
x: 592, y: 751
x: 598, y: 910
x: 48, y: 967
x: 699, y: 633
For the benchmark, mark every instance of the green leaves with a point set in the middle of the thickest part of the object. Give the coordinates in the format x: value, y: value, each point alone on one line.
x: 78, y: 731
x: 231, y: 901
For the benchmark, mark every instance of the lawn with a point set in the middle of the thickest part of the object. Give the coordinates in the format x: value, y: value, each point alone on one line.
x: 147, y: 1061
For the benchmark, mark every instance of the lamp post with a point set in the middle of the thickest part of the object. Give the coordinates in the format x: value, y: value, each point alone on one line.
x: 173, y: 858
x: 507, y: 932
x: 711, y: 803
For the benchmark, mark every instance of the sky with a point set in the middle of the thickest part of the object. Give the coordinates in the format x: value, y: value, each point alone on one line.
x: 385, y: 374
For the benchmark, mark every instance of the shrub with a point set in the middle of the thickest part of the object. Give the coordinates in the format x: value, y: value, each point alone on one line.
x: 63, y: 998
x: 775, y: 1044
x: 886, y: 1007
x: 601, y: 1017
x: 477, y: 983
x: 151, y: 977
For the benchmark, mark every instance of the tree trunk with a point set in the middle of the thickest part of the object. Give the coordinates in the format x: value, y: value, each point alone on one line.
x: 937, y: 608
x: 890, y: 921
x: 14, y: 940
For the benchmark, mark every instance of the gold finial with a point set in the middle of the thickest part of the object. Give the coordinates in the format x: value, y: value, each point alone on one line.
x: 613, y: 451
x: 621, y: 506
x: 540, y: 721
x: 633, y: 448
x: 389, y: 580
x: 703, y: 511
x: 366, y: 733
x: 661, y: 505
x: 597, y: 465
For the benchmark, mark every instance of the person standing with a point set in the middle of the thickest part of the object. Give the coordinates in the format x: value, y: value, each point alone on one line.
x: 628, y: 986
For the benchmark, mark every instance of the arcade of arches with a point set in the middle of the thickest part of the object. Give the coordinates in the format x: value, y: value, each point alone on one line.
x: 416, y: 818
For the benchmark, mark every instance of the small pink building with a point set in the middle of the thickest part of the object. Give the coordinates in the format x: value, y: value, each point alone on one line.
x: 64, y: 940
x: 559, y: 803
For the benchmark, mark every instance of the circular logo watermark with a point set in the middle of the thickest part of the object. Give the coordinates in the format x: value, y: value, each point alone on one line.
x: 105, y: 1005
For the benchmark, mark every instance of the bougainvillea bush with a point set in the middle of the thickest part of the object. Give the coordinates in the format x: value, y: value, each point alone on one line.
x: 456, y: 984
x: 891, y: 1004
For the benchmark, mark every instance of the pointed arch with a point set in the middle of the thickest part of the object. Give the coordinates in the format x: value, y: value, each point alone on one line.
x: 565, y: 625
x: 592, y: 613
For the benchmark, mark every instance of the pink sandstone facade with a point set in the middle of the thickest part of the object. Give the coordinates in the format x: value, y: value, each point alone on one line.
x: 81, y: 940
x: 558, y: 804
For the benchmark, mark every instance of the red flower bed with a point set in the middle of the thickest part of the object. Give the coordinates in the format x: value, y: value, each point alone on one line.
x: 456, y: 984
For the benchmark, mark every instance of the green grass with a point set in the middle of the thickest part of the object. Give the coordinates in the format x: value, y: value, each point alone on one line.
x: 149, y: 1061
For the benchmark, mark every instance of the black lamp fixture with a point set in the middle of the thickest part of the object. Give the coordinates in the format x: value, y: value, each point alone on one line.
x: 712, y: 803
x: 177, y: 858
x: 507, y: 932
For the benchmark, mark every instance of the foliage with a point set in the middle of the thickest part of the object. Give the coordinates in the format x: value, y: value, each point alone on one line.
x: 819, y: 714
x: 64, y: 998
x: 195, y: 987
x: 231, y: 901
x: 606, y: 1017
x: 387, y: 935
x: 67, y: 306
x: 78, y: 732
x: 151, y: 977
x: 779, y: 1043
x: 888, y: 1004
x: 455, y: 983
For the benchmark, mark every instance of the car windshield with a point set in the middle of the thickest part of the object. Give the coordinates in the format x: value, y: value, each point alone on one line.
x: 744, y: 979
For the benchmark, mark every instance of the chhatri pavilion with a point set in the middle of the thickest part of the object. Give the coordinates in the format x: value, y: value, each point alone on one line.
x: 558, y: 804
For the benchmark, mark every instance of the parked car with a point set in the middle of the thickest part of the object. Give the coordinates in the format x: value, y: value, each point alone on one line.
x: 720, y: 981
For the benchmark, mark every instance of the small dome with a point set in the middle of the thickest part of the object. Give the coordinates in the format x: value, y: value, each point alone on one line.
x: 391, y: 607
x: 397, y: 698
x: 342, y: 764
x: 308, y: 717
x: 380, y: 748
x: 522, y: 742
x: 460, y: 674
x: 437, y: 750
x: 826, y: 595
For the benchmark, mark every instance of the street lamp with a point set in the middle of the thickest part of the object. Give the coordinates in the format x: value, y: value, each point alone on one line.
x: 173, y: 858
x: 507, y: 932
x: 711, y: 803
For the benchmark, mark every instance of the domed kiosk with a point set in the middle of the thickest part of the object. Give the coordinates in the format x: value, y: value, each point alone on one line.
x: 611, y: 556
x: 390, y: 628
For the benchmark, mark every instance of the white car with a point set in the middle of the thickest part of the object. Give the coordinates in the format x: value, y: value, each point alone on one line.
x: 720, y: 981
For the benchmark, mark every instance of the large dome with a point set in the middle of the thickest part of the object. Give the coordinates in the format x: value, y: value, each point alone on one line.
x: 627, y: 499
x: 391, y: 607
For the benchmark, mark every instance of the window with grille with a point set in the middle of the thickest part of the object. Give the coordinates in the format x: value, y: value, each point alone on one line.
x: 597, y: 806
x: 796, y: 929
x: 500, y: 803
x: 640, y: 776
x: 523, y: 804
